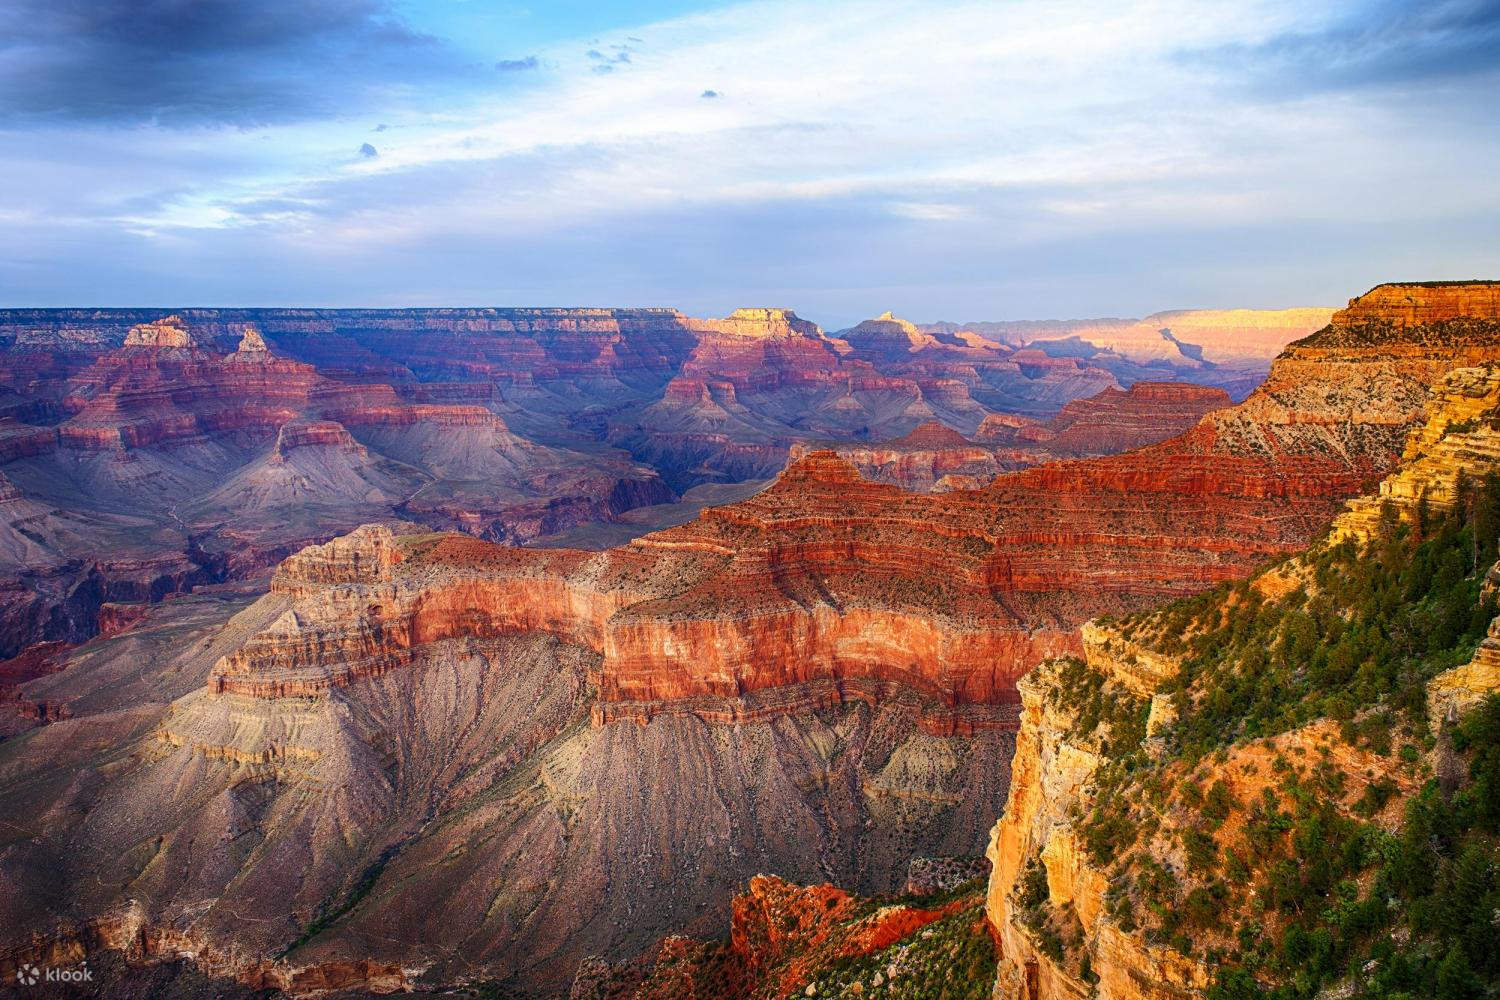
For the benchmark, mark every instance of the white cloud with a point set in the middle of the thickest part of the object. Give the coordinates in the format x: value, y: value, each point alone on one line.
x: 1003, y: 124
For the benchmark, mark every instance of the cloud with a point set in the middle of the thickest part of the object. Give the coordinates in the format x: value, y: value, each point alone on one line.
x: 974, y: 158
x: 516, y: 65
x: 1383, y: 44
x: 206, y: 61
x: 710, y: 94
x: 606, y: 62
x: 928, y: 211
x: 368, y: 151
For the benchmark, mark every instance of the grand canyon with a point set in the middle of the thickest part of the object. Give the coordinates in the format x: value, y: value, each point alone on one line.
x: 749, y: 500
x: 315, y: 686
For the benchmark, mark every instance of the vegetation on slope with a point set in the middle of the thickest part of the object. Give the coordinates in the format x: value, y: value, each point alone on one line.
x: 951, y: 959
x: 1362, y: 851
x: 817, y: 941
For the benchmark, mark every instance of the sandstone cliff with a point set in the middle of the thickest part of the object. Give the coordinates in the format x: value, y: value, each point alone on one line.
x: 936, y: 457
x: 1144, y: 848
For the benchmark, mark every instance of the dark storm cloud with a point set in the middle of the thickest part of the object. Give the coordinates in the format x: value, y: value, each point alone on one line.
x: 1384, y: 43
x: 205, y: 61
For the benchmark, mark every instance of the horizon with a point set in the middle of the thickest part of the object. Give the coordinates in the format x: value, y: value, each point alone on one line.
x: 977, y: 159
x: 824, y: 326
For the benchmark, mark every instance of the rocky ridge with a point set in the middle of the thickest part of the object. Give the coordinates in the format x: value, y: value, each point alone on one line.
x: 804, y: 941
x: 1068, y: 899
x: 376, y: 815
x: 934, y: 457
x: 133, y: 419
x: 169, y: 465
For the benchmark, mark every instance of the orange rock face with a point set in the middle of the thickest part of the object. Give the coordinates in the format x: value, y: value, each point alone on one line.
x: 830, y: 585
x: 1404, y: 305
x: 789, y: 940
x: 936, y: 457
x: 1115, y: 421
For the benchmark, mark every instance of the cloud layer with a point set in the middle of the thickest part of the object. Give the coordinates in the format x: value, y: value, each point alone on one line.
x: 195, y: 61
x: 959, y: 160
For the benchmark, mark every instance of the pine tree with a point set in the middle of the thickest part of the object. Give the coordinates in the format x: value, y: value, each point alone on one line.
x: 1456, y: 979
x: 1487, y: 516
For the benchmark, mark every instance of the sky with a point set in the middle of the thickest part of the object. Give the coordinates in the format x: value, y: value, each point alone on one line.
x: 960, y: 161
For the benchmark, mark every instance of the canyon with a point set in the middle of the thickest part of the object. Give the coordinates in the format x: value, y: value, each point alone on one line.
x: 424, y: 747
x: 147, y: 452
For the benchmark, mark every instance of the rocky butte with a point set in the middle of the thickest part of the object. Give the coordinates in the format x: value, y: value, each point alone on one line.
x: 934, y: 457
x: 417, y: 758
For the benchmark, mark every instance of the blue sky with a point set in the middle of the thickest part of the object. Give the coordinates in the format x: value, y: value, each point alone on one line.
x: 944, y: 160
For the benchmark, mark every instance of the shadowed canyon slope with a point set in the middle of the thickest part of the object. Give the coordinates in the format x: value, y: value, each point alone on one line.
x: 452, y: 759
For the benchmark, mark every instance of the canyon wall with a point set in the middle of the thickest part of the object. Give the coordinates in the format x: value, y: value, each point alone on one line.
x: 936, y: 457
x: 458, y: 819
x: 826, y: 582
x: 1187, y: 336
x: 157, y: 451
x: 1067, y: 908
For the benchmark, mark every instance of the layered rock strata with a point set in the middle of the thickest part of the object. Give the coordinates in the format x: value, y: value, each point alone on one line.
x: 454, y: 820
x: 425, y: 749
x: 830, y: 586
x: 168, y: 465
x: 1047, y: 883
x: 936, y: 457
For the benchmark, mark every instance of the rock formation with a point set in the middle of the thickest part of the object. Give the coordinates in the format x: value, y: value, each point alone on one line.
x: 1186, y: 337
x: 804, y: 941
x: 933, y: 457
x: 1104, y: 873
x: 1115, y: 421
x: 383, y: 814
x: 162, y: 465
x: 170, y: 333
x: 422, y: 751
x: 516, y: 424
x: 936, y: 457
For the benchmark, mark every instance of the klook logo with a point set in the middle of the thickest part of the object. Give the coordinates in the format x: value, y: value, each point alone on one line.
x: 30, y: 975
